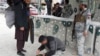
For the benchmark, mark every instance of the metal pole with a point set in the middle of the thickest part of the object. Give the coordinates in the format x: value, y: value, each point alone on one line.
x: 39, y: 6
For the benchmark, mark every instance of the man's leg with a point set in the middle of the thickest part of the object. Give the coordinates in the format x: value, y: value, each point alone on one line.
x: 49, y: 9
x: 80, y: 44
x: 20, y: 46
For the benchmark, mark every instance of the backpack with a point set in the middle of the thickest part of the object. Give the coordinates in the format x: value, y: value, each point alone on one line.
x: 10, y: 17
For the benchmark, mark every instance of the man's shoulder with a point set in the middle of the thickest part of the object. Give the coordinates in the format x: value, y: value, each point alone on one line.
x: 51, y: 38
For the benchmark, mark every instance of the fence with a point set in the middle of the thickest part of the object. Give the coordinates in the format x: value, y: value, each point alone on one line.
x: 62, y: 29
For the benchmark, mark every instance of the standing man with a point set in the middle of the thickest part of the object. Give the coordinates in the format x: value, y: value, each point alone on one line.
x: 54, y: 46
x: 57, y: 10
x: 67, y: 10
x: 21, y: 24
x: 49, y: 6
x: 81, y: 25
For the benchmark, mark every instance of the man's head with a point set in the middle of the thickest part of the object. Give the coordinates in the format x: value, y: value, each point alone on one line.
x: 43, y: 40
x: 57, y: 5
x: 66, y: 1
x: 82, y: 7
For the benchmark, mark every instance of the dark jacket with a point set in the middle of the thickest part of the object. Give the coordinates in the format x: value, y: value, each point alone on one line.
x: 58, y: 12
x: 53, y: 45
x: 48, y: 1
x: 21, y: 13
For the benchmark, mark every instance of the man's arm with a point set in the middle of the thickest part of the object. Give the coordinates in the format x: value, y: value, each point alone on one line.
x: 88, y: 20
x: 41, y: 47
x: 53, y: 48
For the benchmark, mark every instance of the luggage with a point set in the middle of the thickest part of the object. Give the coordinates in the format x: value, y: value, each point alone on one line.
x: 10, y: 17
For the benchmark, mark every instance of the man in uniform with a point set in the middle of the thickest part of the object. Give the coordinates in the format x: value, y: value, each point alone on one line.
x: 67, y: 10
x: 81, y: 25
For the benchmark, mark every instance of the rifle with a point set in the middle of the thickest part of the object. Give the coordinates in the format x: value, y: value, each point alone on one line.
x: 73, y: 31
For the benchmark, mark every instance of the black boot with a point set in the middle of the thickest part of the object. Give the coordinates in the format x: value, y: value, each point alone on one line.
x: 24, y: 50
x: 20, y: 53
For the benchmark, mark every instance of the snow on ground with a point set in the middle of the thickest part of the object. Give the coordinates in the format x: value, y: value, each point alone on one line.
x: 8, y: 43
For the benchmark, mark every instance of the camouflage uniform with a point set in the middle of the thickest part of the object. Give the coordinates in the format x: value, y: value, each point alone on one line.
x: 80, y: 39
x: 67, y: 11
x: 81, y: 25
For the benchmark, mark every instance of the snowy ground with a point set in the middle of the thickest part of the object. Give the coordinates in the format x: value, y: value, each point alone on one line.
x: 8, y: 43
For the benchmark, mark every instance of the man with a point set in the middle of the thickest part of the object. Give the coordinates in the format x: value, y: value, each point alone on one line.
x: 67, y: 10
x: 21, y: 24
x: 81, y: 25
x: 49, y: 6
x: 57, y: 10
x: 53, y: 45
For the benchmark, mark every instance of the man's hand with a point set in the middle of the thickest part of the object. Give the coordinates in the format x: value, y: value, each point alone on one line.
x: 85, y: 33
x: 37, y: 52
x: 43, y: 54
x: 22, y: 28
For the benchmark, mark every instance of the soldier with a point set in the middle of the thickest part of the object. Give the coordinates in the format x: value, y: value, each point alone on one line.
x: 67, y: 10
x: 81, y: 25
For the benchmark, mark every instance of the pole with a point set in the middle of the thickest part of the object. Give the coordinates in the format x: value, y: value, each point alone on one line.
x: 39, y: 6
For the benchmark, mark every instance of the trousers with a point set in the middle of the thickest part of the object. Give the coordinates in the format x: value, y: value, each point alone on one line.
x: 49, y: 6
x: 80, y: 43
x: 20, y: 45
x: 21, y: 37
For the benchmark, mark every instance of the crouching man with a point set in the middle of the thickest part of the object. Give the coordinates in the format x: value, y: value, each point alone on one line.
x: 54, y: 46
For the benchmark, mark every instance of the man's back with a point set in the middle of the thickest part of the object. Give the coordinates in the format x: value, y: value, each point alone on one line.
x: 51, y: 44
x: 55, y: 43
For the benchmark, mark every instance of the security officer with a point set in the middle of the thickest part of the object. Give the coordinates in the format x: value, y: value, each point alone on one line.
x: 81, y: 25
x: 67, y: 10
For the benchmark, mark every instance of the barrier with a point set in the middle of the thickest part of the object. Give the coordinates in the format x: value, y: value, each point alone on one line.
x: 62, y: 28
